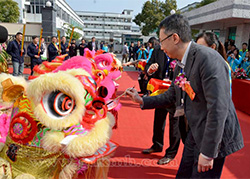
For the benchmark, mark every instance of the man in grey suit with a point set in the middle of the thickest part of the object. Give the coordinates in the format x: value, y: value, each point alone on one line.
x: 214, y: 130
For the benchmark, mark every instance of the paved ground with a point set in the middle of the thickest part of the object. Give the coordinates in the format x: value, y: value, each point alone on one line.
x: 131, y: 68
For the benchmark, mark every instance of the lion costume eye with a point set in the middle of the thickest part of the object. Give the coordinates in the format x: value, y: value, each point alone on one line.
x: 57, y: 104
x: 103, y: 64
x: 59, y: 96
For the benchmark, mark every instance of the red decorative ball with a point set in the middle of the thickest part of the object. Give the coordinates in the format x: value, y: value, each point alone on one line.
x: 22, y: 128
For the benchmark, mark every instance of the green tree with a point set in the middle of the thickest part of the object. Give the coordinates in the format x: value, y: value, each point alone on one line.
x: 204, y: 2
x: 9, y: 11
x: 69, y: 28
x: 168, y: 6
x: 194, y: 33
x: 153, y: 12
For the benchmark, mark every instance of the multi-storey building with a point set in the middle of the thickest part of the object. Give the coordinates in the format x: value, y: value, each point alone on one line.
x: 106, y: 26
x: 31, y: 11
x: 228, y: 19
x: 188, y: 7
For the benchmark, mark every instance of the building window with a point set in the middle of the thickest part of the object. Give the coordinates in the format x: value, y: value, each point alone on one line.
x: 64, y: 15
x: 58, y: 11
x: 126, y: 28
x: 38, y: 9
x: 67, y: 17
x: 27, y: 8
x: 232, y: 33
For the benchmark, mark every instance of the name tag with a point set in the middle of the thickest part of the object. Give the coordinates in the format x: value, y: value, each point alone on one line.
x: 179, y: 111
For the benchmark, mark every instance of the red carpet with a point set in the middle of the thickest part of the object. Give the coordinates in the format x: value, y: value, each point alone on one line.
x: 25, y: 71
x: 241, y: 95
x: 134, y: 133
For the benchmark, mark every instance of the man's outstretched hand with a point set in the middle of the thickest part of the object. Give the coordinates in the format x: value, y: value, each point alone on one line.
x: 153, y: 68
x: 134, y: 96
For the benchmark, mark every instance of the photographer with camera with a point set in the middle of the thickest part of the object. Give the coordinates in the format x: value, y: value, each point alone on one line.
x: 234, y: 59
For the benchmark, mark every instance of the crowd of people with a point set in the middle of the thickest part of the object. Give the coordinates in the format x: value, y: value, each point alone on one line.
x: 138, y: 52
x: 37, y: 56
x: 238, y: 58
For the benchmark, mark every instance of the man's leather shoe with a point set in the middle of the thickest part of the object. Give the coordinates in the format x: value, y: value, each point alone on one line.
x: 151, y: 150
x: 164, y: 160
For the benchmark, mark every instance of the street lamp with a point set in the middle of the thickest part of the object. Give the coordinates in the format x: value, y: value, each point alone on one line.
x: 48, y: 4
x: 172, y: 12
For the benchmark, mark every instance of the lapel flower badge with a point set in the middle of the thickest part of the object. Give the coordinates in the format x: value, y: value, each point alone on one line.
x: 184, y: 84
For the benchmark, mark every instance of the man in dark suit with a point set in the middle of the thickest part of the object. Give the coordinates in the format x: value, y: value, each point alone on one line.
x: 157, y: 67
x: 93, y: 45
x: 131, y: 52
x: 64, y: 47
x: 53, y: 49
x: 32, y: 51
x: 14, y: 49
x: 73, y: 49
x: 214, y: 130
x: 82, y: 47
x: 137, y: 47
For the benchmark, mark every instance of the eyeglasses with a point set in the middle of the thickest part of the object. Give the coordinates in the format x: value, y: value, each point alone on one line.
x: 166, y: 37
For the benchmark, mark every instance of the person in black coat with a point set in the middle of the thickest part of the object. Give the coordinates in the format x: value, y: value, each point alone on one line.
x: 73, y: 49
x: 213, y: 126
x: 64, y: 47
x: 132, y: 54
x: 32, y: 52
x: 14, y: 49
x: 82, y: 47
x: 53, y: 49
x: 93, y: 45
x: 137, y: 47
x: 158, y: 67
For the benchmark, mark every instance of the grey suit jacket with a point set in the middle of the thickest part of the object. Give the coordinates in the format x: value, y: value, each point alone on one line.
x: 211, y: 115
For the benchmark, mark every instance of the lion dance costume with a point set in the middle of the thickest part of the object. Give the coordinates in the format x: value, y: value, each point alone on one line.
x: 60, y: 124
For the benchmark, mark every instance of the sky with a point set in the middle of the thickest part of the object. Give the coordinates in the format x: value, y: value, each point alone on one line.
x: 116, y: 6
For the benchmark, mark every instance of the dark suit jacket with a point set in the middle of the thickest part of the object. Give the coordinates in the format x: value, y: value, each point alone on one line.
x: 14, y: 49
x: 211, y: 115
x: 159, y: 57
x: 63, y: 48
x: 73, y: 50
x: 53, y: 53
x: 90, y: 46
x: 82, y: 48
x: 32, y: 50
x: 136, y: 48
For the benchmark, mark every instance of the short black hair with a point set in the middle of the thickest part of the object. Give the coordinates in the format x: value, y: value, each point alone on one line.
x: 63, y: 36
x: 152, y: 40
x: 53, y: 37
x: 125, y: 43
x: 34, y: 36
x: 211, y: 38
x: 178, y: 24
x: 19, y: 33
x: 244, y: 43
